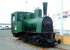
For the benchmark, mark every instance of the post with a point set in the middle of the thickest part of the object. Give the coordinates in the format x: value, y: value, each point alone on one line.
x: 61, y: 22
x: 61, y: 19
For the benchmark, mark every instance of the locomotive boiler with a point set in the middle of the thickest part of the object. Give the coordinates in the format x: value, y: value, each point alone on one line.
x: 32, y: 28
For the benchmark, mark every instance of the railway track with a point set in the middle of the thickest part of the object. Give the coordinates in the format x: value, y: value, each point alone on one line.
x: 11, y: 43
x: 53, y: 49
x: 59, y: 47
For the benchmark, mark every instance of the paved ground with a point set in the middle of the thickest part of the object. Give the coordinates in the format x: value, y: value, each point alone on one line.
x: 8, y: 42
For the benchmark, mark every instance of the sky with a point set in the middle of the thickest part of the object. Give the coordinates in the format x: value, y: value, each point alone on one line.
x: 7, y: 7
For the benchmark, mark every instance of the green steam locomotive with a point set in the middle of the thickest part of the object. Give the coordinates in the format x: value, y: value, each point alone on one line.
x: 33, y: 28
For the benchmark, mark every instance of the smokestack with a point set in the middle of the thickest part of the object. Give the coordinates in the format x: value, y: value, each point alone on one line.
x: 44, y: 8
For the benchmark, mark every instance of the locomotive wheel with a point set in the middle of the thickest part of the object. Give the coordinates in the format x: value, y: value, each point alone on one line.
x: 19, y: 34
